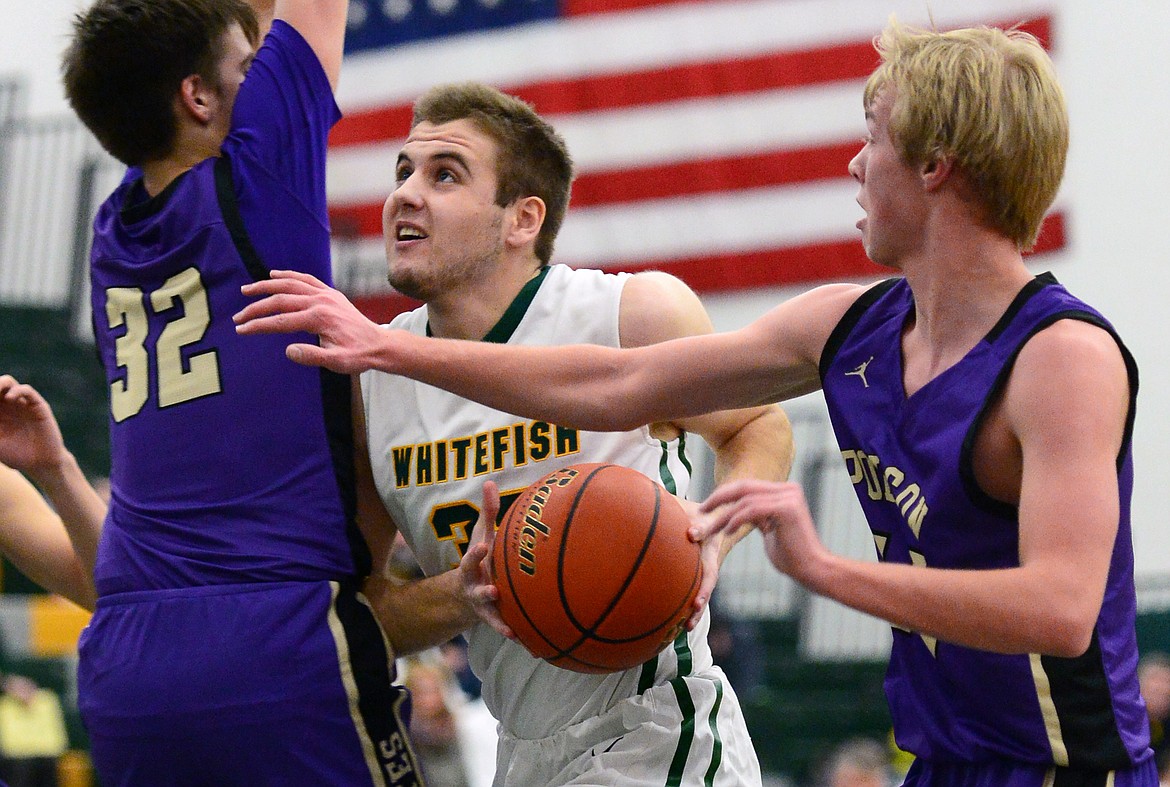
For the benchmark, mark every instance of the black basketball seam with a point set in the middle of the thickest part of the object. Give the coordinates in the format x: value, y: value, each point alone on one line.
x: 591, y: 632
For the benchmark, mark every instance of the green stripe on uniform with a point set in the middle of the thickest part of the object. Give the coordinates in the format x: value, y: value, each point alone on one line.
x: 717, y: 742
x: 664, y: 469
x: 646, y: 679
x: 686, y: 733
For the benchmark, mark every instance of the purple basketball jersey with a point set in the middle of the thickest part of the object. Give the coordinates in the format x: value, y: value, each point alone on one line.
x: 229, y: 462
x: 910, y: 461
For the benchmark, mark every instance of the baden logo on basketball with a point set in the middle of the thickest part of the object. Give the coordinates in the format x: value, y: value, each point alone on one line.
x: 526, y: 546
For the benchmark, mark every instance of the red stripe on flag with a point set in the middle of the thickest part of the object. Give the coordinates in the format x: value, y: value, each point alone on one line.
x: 707, y: 176
x: 766, y: 268
x: 645, y: 88
x: 384, y: 308
x: 584, y: 7
x: 374, y: 125
x: 770, y: 71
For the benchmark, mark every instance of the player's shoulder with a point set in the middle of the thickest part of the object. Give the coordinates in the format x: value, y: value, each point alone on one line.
x: 1070, y: 342
x: 657, y: 306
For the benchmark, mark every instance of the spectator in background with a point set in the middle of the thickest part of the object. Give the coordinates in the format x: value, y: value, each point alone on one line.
x: 454, y: 737
x: 858, y: 762
x: 32, y: 733
x: 1154, y: 677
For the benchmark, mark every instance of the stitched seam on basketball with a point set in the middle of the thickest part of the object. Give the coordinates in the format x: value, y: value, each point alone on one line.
x: 686, y: 734
x: 591, y: 631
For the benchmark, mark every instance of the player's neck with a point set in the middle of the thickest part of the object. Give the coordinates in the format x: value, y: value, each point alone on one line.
x: 473, y: 311
x: 959, y: 296
x: 193, y: 143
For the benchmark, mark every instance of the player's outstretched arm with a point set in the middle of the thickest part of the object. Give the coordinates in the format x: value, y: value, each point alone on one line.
x: 55, y: 549
x: 581, y: 386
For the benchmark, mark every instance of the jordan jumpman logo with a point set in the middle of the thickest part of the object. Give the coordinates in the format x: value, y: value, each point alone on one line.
x: 860, y: 372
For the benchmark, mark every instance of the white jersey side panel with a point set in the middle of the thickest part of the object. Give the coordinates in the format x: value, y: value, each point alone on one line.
x: 431, y: 451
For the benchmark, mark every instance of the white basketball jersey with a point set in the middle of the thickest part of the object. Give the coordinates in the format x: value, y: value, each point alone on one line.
x: 431, y: 451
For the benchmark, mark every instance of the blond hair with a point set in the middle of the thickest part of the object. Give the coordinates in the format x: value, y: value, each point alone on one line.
x: 990, y: 99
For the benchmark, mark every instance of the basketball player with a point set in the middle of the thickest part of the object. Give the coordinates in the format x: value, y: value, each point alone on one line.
x: 984, y: 414
x: 482, y: 185
x: 229, y: 644
x: 32, y: 535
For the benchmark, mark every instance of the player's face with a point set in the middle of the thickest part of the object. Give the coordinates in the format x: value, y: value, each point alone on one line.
x: 235, y: 58
x: 890, y: 191
x: 442, y: 226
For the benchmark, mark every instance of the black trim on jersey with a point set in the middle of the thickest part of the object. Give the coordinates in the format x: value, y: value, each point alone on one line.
x: 966, y: 462
x: 225, y: 192
x: 1084, y: 705
x: 148, y: 206
x: 1022, y: 297
x: 336, y: 404
x: 383, y: 707
x: 849, y: 320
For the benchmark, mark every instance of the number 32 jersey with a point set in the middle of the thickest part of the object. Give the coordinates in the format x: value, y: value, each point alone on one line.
x: 229, y: 463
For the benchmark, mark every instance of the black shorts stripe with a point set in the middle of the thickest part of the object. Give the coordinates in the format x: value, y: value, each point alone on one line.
x: 384, y: 708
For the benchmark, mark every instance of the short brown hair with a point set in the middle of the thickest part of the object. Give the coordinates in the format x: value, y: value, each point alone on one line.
x: 127, y: 59
x: 989, y: 98
x: 532, y: 160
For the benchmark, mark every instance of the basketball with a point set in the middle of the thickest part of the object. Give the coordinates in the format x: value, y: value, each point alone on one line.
x: 594, y: 568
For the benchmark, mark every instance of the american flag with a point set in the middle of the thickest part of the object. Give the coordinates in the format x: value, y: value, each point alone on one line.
x: 711, y: 137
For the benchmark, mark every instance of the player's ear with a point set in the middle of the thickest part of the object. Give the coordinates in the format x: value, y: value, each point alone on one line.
x: 936, y: 171
x: 526, y: 220
x: 196, y: 98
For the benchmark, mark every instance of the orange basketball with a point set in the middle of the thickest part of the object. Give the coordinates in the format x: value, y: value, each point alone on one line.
x: 594, y: 567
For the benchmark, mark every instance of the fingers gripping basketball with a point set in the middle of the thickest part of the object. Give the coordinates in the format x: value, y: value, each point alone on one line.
x: 594, y: 568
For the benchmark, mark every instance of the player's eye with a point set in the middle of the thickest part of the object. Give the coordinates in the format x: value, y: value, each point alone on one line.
x: 401, y: 174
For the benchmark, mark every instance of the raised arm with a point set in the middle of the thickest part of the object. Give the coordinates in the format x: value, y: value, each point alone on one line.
x: 321, y: 23
x: 57, y: 550
x: 583, y: 386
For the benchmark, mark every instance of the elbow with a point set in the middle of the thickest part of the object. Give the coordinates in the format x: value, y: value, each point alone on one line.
x: 1069, y: 636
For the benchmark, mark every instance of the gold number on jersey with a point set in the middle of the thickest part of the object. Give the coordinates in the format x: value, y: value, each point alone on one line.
x: 127, y: 306
x: 456, y: 521
x: 124, y: 307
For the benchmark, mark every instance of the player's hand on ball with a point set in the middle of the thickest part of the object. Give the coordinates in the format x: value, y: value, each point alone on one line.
x: 710, y: 558
x: 475, y: 570
x: 779, y: 510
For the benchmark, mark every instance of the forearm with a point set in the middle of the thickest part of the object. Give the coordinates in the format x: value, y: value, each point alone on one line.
x: 420, y: 614
x: 33, y: 537
x: 77, y: 503
x: 581, y: 386
x: 1013, y: 610
x: 762, y: 448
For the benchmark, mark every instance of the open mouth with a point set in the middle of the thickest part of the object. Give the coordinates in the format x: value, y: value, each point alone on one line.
x: 408, y: 232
